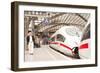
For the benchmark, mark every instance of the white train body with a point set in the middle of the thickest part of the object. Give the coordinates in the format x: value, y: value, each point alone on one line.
x: 66, y: 39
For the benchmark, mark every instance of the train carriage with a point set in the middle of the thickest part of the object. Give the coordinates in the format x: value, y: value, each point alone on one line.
x: 71, y: 41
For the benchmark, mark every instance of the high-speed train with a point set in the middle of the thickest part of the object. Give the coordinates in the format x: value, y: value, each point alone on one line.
x: 71, y: 41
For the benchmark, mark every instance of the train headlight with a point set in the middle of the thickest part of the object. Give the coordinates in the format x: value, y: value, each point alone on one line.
x: 75, y: 52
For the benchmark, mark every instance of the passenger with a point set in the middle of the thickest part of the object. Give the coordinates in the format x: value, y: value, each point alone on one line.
x: 30, y: 42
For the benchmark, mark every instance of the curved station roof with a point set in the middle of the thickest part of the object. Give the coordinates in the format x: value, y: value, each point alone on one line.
x: 51, y: 21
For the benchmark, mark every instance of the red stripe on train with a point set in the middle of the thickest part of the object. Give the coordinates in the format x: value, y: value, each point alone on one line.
x: 54, y: 43
x: 61, y: 45
x: 66, y: 46
x: 83, y: 46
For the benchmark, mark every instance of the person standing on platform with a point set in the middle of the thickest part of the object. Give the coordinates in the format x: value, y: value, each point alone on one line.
x: 30, y: 42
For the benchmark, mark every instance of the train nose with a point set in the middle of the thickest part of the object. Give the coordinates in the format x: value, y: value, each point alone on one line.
x: 75, y: 52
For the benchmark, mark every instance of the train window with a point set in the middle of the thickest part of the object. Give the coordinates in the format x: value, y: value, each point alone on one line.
x: 53, y: 39
x: 60, y: 38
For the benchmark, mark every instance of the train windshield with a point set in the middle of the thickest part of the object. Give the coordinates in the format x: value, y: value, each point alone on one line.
x: 60, y: 38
